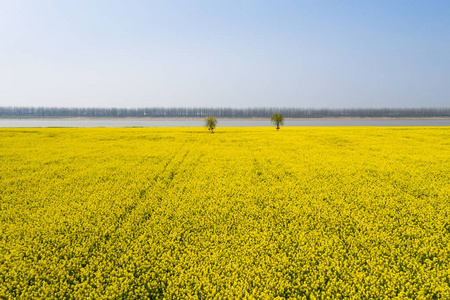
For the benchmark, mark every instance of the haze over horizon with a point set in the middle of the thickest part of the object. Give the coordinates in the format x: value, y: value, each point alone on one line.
x: 313, y: 54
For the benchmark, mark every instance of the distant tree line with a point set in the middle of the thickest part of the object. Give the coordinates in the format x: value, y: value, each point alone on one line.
x: 222, y: 112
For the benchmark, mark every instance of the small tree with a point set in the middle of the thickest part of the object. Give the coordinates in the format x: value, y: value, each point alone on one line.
x: 210, y: 123
x: 277, y: 119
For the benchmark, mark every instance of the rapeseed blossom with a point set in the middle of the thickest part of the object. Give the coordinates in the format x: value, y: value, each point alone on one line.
x: 178, y: 213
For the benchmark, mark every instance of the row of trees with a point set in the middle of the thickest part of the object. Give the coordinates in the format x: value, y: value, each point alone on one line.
x: 276, y: 119
x: 201, y: 112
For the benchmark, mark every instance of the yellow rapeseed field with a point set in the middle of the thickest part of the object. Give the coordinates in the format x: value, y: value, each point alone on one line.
x: 180, y: 213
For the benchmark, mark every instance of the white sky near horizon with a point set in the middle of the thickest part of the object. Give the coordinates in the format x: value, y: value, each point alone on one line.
x: 225, y: 53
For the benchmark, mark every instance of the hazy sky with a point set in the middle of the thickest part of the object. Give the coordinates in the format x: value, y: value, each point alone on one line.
x: 225, y: 53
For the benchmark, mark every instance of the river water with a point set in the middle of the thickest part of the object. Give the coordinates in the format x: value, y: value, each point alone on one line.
x: 221, y: 123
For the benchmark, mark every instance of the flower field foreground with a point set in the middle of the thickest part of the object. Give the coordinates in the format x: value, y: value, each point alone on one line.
x: 179, y: 213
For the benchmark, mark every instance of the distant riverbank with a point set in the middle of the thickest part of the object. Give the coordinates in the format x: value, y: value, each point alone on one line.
x: 198, y: 122
x: 224, y: 119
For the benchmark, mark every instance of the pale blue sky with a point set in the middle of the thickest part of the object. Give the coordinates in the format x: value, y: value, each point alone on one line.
x: 225, y: 53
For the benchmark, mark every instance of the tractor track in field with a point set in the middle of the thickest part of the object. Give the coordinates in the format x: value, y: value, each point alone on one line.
x: 164, y: 175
